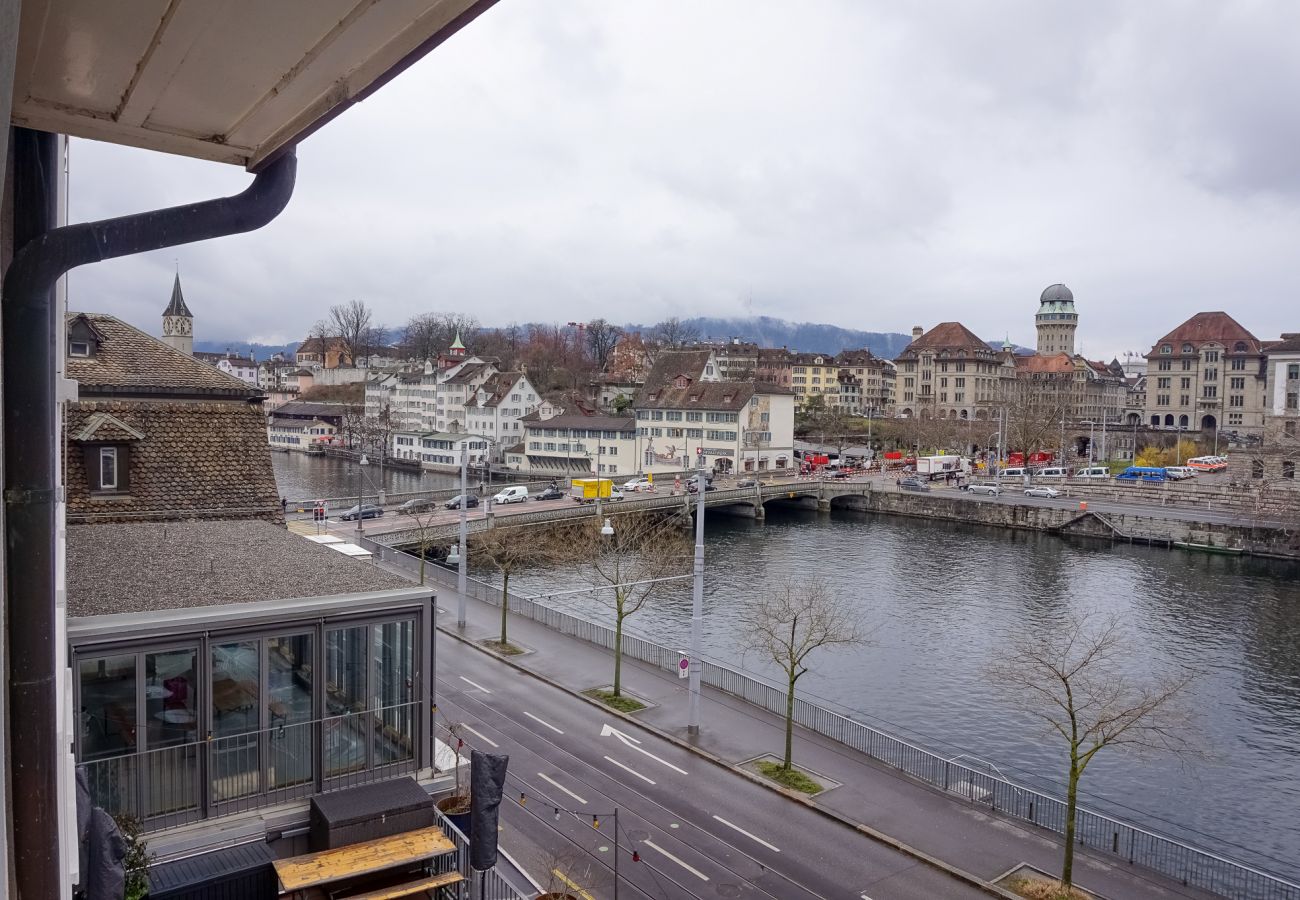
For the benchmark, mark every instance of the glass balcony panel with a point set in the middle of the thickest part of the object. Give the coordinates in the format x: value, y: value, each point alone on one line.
x: 235, y: 692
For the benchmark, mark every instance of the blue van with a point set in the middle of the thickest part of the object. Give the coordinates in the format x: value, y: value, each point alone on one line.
x: 1142, y: 473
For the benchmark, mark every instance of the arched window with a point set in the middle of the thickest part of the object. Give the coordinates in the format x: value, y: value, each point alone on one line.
x: 1187, y: 348
x: 1239, y: 347
x: 1169, y: 421
x: 1155, y: 421
x: 1182, y: 421
x: 964, y: 414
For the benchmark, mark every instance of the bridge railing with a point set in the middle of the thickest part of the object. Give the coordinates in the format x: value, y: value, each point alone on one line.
x: 1112, y: 837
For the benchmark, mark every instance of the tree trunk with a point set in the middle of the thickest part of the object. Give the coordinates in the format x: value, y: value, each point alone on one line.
x: 505, y: 605
x: 618, y: 655
x: 789, y: 728
x: 1071, y: 811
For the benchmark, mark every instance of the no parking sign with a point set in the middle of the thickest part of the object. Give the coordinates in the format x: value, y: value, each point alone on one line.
x: 683, y: 666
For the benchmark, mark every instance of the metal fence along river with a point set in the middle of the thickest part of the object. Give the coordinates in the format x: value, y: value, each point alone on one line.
x: 1138, y: 846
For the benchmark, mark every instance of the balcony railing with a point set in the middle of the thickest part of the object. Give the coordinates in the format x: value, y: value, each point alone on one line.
x: 169, y: 786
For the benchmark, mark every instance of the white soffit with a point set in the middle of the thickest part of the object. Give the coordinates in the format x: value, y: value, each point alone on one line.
x: 227, y: 80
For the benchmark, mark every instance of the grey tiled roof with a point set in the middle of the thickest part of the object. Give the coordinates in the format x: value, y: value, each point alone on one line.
x: 132, y: 362
x: 140, y: 567
x: 177, y: 305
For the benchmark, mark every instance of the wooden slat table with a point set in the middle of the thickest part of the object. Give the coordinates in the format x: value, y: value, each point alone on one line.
x: 399, y: 891
x: 299, y: 873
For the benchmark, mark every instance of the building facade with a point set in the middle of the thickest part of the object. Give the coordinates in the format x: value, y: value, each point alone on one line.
x: 949, y: 372
x: 1207, y: 375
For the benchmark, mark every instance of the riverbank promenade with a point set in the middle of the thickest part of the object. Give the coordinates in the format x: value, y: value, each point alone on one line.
x: 923, y: 821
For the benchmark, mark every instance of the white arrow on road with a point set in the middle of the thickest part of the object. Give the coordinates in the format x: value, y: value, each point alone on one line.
x: 606, y: 730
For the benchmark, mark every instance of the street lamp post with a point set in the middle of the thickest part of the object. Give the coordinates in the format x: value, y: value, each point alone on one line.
x: 360, y: 462
x: 462, y: 562
x: 697, y: 604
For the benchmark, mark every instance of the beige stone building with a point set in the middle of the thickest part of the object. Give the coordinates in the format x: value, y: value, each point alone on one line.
x: 948, y: 372
x: 1207, y: 375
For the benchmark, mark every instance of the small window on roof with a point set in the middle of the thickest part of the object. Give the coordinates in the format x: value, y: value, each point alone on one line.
x: 1165, y: 348
x: 78, y: 348
x: 1187, y: 348
x: 1239, y: 347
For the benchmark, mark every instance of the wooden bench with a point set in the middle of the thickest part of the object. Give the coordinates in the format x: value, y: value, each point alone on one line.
x: 410, y: 889
x: 313, y: 870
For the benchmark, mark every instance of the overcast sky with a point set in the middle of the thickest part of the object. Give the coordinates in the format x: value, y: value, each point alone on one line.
x: 870, y: 164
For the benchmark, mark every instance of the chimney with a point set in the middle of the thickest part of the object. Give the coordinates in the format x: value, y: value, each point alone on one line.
x: 917, y: 331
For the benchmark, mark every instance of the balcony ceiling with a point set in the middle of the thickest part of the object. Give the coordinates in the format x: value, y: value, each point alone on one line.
x: 228, y: 80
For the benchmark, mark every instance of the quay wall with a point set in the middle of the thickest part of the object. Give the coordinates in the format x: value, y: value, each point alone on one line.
x: 1125, y: 527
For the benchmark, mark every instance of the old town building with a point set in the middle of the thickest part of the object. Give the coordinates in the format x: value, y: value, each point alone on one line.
x: 1206, y: 375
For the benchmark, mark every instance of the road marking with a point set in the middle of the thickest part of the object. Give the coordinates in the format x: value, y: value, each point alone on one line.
x: 474, y: 684
x: 606, y: 731
x: 752, y: 837
x: 481, y: 737
x: 629, y: 769
x: 689, y: 868
x: 542, y: 722
x: 572, y: 884
x: 555, y: 783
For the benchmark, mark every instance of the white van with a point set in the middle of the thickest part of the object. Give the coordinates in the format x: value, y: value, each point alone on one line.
x: 1012, y: 473
x: 1053, y: 472
x: 1093, y: 472
x: 1178, y: 473
x: 513, y: 494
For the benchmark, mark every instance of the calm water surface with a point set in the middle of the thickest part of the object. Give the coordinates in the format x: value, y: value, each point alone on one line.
x: 944, y: 598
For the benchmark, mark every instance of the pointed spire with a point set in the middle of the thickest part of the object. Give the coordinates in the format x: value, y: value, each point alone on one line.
x: 177, y: 305
x: 457, y: 346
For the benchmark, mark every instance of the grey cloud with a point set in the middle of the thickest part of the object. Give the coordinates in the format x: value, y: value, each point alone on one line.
x: 870, y: 164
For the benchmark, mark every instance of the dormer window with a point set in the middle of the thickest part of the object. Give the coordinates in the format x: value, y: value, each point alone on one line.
x: 83, y: 337
x: 78, y: 348
x: 1165, y: 348
x: 1187, y: 348
x: 681, y: 381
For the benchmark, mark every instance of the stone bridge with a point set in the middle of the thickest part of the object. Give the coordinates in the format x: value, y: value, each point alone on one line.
x: 749, y: 502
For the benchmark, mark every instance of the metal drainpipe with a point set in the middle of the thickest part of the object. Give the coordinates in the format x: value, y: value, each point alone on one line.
x: 32, y: 324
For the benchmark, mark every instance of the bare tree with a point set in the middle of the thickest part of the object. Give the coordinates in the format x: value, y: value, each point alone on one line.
x: 1036, y: 413
x: 1079, y: 681
x: 373, y: 342
x: 511, y: 549
x: 349, y: 323
x: 426, y: 335
x: 423, y: 523
x: 602, y: 338
x: 628, y: 567
x: 673, y: 333
x: 789, y: 625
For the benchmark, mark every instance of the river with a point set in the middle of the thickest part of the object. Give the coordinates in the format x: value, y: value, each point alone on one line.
x: 300, y: 476
x: 942, y: 599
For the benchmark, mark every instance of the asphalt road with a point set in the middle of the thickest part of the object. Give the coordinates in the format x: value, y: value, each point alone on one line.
x: 700, y: 830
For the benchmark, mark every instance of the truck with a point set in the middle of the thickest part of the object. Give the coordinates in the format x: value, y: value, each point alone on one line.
x: 586, y: 490
x: 940, y: 466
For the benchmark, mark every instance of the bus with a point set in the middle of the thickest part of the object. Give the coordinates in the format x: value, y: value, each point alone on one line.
x: 1142, y: 473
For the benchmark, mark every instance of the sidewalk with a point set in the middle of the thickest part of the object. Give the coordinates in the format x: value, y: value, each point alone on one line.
x: 955, y: 831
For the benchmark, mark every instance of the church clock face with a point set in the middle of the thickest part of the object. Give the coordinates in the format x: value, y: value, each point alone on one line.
x: 183, y: 326
x: 167, y: 326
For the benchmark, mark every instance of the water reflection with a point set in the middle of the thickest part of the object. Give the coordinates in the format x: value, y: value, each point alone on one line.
x: 944, y: 598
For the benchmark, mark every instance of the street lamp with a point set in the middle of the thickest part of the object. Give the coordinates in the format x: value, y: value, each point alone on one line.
x: 363, y: 461
x: 461, y: 557
x: 697, y: 603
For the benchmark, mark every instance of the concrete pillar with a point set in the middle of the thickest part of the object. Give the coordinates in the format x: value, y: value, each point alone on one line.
x: 759, y: 512
x: 823, y: 505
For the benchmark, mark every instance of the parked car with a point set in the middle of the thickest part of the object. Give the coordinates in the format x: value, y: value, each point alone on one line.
x: 1012, y: 473
x: 1178, y: 473
x: 551, y: 493
x: 693, y: 487
x: 516, y: 493
x: 1044, y: 492
x: 747, y: 482
x: 987, y: 488
x: 615, y: 494
x: 1093, y: 472
x: 638, y: 484
x: 365, y: 511
x: 912, y: 483
x: 454, y: 503
x: 417, y: 505
x: 1056, y: 472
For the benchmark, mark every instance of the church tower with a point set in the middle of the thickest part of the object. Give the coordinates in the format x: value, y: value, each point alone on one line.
x: 1056, y: 321
x: 178, y: 321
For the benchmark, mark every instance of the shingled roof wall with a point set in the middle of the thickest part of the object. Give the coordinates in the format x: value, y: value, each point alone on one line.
x: 130, y: 361
x: 196, y: 460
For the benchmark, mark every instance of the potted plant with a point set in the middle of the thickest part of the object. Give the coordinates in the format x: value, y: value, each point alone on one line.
x: 456, y: 806
x: 135, y: 864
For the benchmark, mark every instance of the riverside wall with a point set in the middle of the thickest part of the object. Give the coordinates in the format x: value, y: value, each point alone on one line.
x: 1116, y: 527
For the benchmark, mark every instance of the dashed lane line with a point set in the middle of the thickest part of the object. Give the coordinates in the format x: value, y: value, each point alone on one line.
x: 482, y: 737
x: 630, y: 769
x: 541, y: 721
x: 474, y: 684
x: 687, y: 866
x: 752, y: 837
x: 551, y: 781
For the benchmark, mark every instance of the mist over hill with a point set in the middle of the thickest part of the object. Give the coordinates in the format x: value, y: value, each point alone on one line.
x: 810, y: 337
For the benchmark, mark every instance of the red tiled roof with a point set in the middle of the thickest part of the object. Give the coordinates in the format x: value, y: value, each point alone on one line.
x: 948, y: 336
x: 1206, y: 328
x: 1055, y: 364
